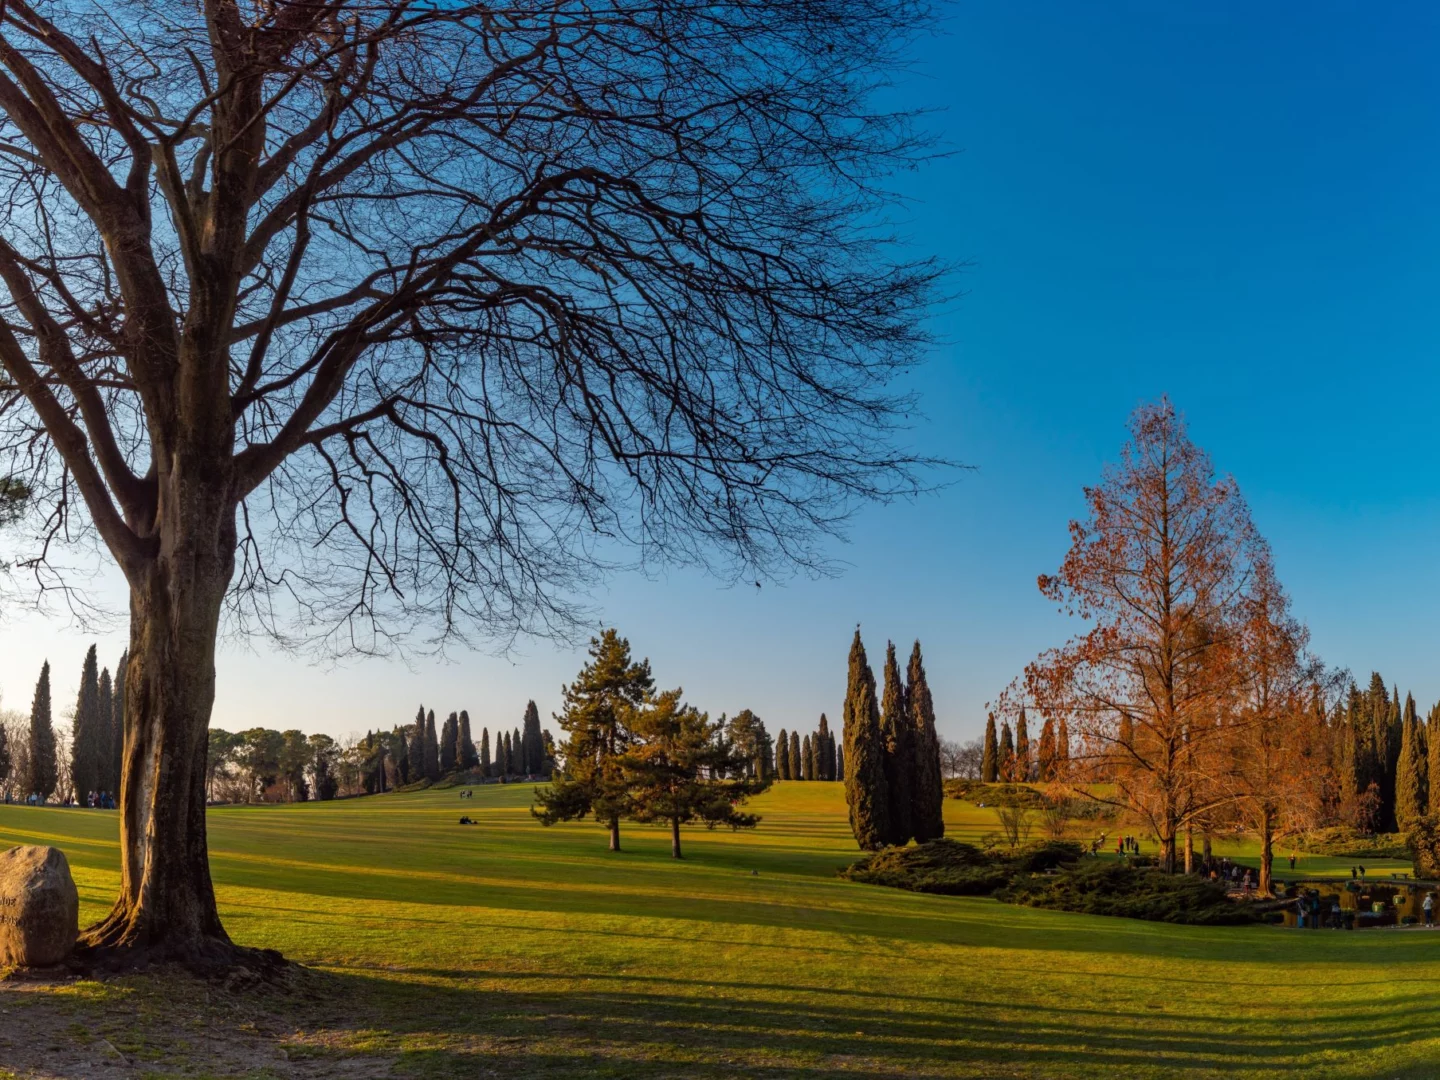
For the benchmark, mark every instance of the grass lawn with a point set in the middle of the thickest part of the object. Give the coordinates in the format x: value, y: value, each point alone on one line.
x: 508, y: 950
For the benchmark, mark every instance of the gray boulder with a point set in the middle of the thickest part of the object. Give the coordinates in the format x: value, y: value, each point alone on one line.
x: 39, y: 907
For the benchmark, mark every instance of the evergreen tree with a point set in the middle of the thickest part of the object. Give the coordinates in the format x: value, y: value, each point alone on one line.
x: 1411, y: 789
x: 106, y: 706
x: 1022, y: 749
x: 432, y: 748
x: 797, y: 760
x: 1432, y: 755
x: 866, y: 792
x: 990, y: 755
x: 485, y: 763
x: 807, y: 759
x: 533, y: 741
x: 782, y: 756
x: 1062, y: 750
x: 825, y: 762
x: 517, y: 758
x: 1045, y: 759
x: 402, y: 757
x: 502, y: 759
x: 85, y: 736
x: 6, y: 761
x: 449, y: 736
x: 465, y: 745
x: 116, y: 742
x: 42, y: 773
x: 927, y: 793
x: 898, y: 732
x: 1007, y: 752
x: 417, y: 747
x: 839, y: 764
x: 598, y: 709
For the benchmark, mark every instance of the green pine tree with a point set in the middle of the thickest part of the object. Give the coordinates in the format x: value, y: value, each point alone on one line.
x: 927, y: 794
x: 782, y: 755
x: 42, y: 773
x: 1411, y: 789
x: 85, y: 735
x: 898, y: 731
x: 597, y: 711
x: 866, y: 793
x: 990, y: 754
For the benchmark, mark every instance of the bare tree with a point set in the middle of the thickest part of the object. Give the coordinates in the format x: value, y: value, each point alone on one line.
x: 1015, y: 823
x: 363, y: 319
x: 961, y: 760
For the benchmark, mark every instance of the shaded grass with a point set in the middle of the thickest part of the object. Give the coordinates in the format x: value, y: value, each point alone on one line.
x: 506, y: 949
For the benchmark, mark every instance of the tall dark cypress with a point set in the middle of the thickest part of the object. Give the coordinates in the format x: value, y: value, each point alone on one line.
x: 782, y: 755
x: 895, y: 726
x: 485, y: 762
x: 432, y: 748
x: 42, y: 774
x: 6, y: 758
x: 85, y: 736
x: 465, y: 745
x: 1061, y: 768
x: 990, y: 755
x: 417, y: 747
x: 797, y: 762
x: 533, y: 741
x: 449, y: 734
x: 1022, y: 749
x: 807, y: 759
x: 1411, y: 787
x: 1007, y: 753
x: 510, y: 765
x: 840, y: 764
x: 115, y: 745
x: 825, y: 757
x: 402, y: 756
x: 865, y: 790
x: 927, y: 795
x: 517, y: 758
x: 1045, y: 758
x: 105, y: 781
x: 1432, y: 755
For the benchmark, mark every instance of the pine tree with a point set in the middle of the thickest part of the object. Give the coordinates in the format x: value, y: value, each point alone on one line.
x: 116, y: 741
x: 533, y: 741
x: 866, y: 793
x: 105, y: 708
x: 449, y: 734
x: 927, y: 794
x: 1022, y: 749
x: 42, y: 772
x: 598, y: 709
x: 898, y: 732
x: 1062, y: 750
x: 485, y: 763
x: 782, y: 755
x: 1007, y: 753
x: 465, y: 745
x: 1045, y: 759
x: 825, y: 766
x: 432, y: 748
x: 990, y: 756
x: 1411, y: 789
x: 84, y: 737
x: 797, y: 761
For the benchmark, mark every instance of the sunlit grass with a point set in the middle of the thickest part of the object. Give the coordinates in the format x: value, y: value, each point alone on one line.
x: 452, y: 950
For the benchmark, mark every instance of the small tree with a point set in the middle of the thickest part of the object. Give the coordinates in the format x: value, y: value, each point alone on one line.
x: 43, y: 774
x: 990, y: 755
x: 666, y: 770
x: 1015, y: 823
x: 1055, y: 815
x: 598, y: 710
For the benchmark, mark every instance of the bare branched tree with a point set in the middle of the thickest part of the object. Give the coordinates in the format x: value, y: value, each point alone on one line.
x: 357, y: 320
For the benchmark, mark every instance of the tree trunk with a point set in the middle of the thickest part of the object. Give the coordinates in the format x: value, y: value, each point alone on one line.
x: 675, y: 838
x: 166, y: 908
x: 1267, y: 852
x: 1189, y: 850
x: 1206, y: 849
x: 614, y: 834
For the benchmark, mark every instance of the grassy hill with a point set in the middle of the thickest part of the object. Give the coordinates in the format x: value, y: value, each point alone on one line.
x: 509, y: 950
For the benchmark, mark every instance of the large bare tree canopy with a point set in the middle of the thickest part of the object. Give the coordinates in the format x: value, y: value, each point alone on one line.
x: 356, y: 316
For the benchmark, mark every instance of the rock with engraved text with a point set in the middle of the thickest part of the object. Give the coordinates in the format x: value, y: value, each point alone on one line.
x: 39, y: 907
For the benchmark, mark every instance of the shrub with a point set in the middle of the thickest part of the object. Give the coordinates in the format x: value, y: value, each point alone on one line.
x: 1113, y: 888
x: 1348, y: 843
x: 1423, y: 846
x: 952, y: 868
x: 1018, y: 795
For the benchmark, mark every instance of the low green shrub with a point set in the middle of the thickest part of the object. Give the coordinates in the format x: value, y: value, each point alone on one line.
x: 977, y: 791
x: 1097, y: 887
x: 1347, y: 843
x: 951, y: 868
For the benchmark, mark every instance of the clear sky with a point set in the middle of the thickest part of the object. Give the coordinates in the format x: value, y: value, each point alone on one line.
x: 1234, y: 204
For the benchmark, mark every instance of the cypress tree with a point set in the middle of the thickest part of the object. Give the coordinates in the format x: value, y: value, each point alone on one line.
x: 797, y: 762
x: 807, y: 759
x: 465, y: 745
x: 517, y: 758
x: 85, y: 736
x: 417, y: 747
x: 402, y: 756
x: 1411, y: 789
x: 116, y: 742
x: 898, y: 732
x: 1062, y: 750
x: 1022, y: 749
x: 1045, y: 759
x: 42, y: 772
x: 825, y: 769
x: 432, y: 748
x: 1007, y: 753
x: 927, y: 793
x: 5, y: 759
x: 839, y: 764
x: 449, y: 735
x: 534, y: 741
x: 990, y: 756
x: 106, y: 707
x: 782, y: 755
x: 485, y: 751
x: 865, y: 789
x: 1432, y: 754
x: 502, y: 760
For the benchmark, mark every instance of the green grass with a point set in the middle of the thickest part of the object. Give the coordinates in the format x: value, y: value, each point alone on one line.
x: 505, y: 949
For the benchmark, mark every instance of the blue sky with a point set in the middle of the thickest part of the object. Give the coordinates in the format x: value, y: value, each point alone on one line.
x: 1232, y: 204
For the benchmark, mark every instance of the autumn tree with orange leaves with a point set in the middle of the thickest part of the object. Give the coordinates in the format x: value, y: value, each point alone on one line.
x: 1162, y: 569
